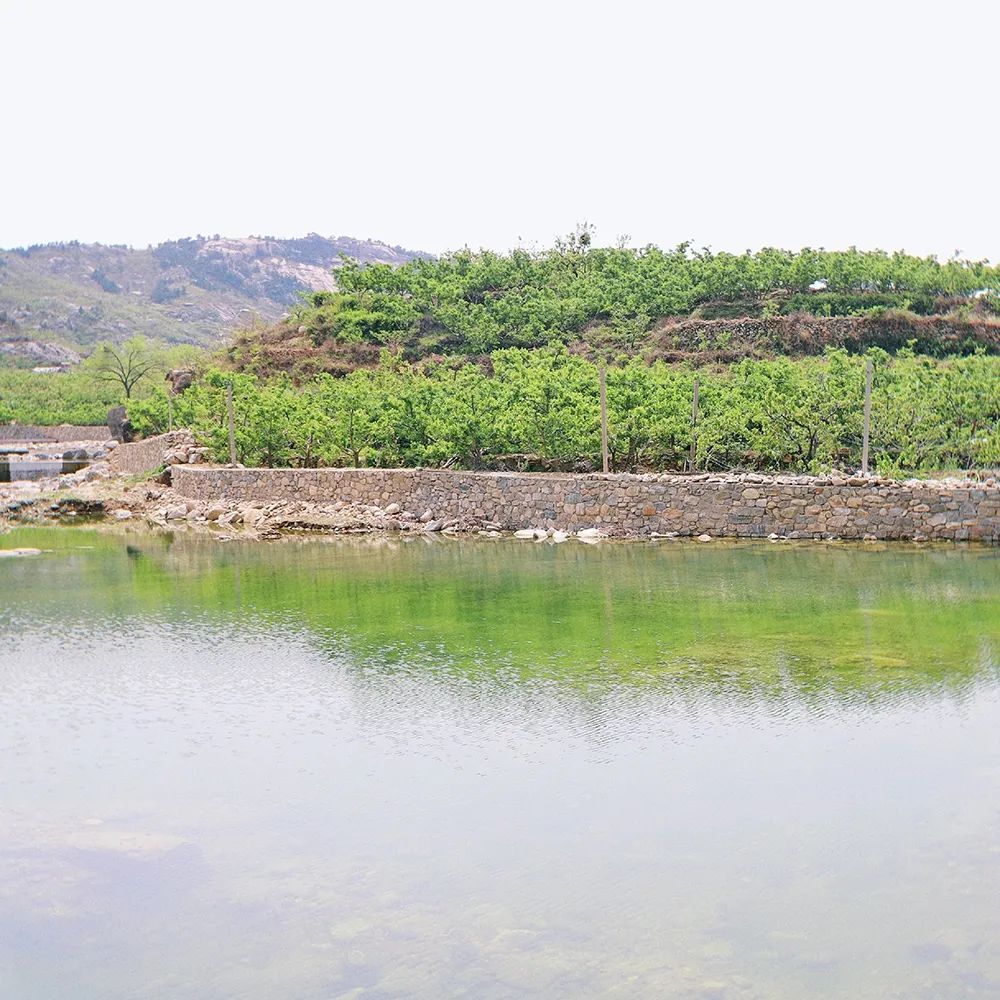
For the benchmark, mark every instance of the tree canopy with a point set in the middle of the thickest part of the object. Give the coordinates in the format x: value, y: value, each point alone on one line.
x: 477, y: 302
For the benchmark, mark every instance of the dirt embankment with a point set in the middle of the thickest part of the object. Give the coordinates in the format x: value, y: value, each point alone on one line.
x: 727, y: 340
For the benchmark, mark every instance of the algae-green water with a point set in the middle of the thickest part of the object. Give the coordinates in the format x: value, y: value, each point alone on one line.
x: 385, y: 768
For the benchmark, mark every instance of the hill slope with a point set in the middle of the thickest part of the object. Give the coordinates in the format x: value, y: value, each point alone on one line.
x: 186, y: 291
x: 622, y: 303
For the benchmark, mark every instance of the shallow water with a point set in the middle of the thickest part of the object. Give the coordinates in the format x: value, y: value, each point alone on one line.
x: 379, y: 769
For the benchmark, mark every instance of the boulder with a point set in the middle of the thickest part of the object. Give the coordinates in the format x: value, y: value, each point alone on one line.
x: 100, y: 470
x: 393, y: 509
x: 180, y: 379
x: 119, y: 424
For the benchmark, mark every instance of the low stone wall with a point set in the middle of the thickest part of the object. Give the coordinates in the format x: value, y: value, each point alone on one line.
x: 29, y: 433
x: 634, y: 506
x: 152, y: 453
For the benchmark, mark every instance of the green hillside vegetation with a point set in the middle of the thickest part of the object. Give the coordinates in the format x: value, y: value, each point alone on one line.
x: 621, y: 303
x: 538, y: 409
x: 111, y: 376
x: 490, y: 361
x: 74, y: 397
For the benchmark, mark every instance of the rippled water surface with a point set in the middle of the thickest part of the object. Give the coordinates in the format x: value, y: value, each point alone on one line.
x: 370, y: 769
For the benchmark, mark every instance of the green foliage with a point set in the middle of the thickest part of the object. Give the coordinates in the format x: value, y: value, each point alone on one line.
x: 106, y: 283
x: 475, y: 303
x: 85, y: 394
x: 859, y: 303
x: 539, y: 409
x: 54, y: 398
x: 163, y: 292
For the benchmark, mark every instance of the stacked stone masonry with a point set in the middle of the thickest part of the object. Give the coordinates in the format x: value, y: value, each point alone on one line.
x: 628, y: 506
x: 57, y: 433
x: 150, y: 454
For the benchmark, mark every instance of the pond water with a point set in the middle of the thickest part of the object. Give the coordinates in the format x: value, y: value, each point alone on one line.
x: 372, y: 768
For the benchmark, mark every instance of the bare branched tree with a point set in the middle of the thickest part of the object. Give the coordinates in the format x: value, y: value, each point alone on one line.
x: 126, y: 365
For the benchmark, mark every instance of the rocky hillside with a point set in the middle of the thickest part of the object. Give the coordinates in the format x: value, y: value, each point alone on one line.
x: 187, y: 291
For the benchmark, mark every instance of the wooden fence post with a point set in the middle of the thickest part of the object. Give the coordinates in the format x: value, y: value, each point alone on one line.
x: 232, y: 424
x: 604, y: 417
x: 692, y: 462
x: 866, y: 432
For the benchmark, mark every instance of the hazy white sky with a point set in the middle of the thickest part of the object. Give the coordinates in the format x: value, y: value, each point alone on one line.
x: 439, y: 124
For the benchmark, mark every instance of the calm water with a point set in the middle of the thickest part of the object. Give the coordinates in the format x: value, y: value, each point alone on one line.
x: 389, y: 770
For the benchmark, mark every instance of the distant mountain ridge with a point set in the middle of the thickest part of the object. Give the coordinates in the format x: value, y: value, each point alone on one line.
x: 194, y: 290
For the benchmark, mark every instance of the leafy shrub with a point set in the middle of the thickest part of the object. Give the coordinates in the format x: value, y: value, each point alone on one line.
x: 540, y: 409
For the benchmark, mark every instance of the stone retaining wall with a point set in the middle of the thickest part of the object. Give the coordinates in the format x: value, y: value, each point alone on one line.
x: 145, y: 456
x: 634, y: 506
x: 60, y: 432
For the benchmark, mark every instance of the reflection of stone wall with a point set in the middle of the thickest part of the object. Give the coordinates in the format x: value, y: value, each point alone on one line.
x: 145, y: 456
x: 60, y: 432
x: 634, y: 506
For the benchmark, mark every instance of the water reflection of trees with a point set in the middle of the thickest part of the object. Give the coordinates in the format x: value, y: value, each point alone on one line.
x: 801, y: 623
